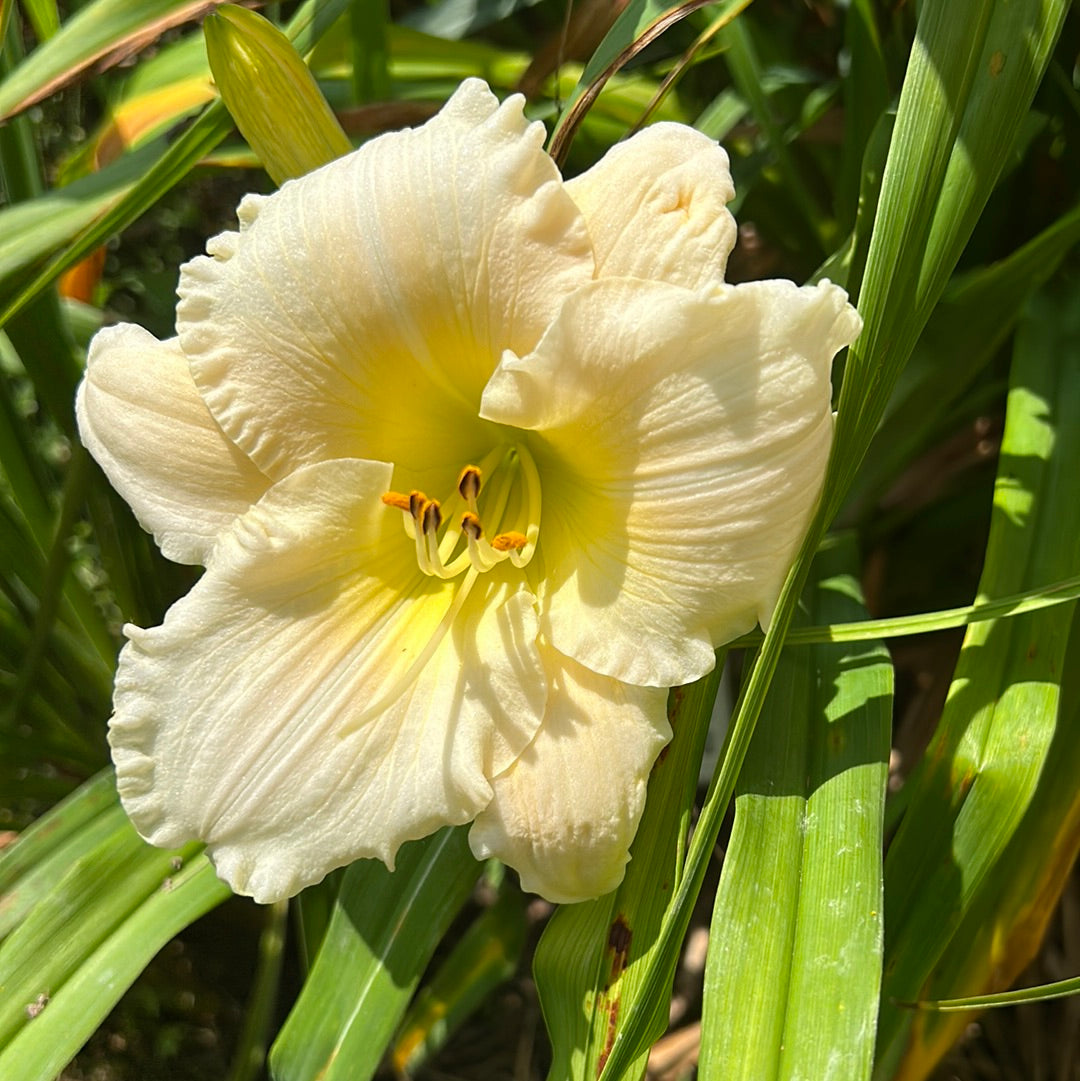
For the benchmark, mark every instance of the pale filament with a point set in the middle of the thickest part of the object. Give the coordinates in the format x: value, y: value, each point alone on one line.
x: 463, y: 517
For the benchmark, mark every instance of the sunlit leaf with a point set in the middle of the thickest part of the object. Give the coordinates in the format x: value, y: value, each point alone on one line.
x: 381, y: 935
x: 485, y: 956
x: 794, y: 965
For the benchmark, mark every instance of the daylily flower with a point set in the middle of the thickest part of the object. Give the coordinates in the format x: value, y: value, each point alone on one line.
x: 479, y: 463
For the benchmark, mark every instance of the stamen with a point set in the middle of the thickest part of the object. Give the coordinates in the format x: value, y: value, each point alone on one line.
x: 431, y: 520
x: 468, y: 489
x: 471, y: 527
x: 510, y: 468
x: 431, y: 555
x: 410, y: 504
x: 530, y: 477
x: 469, y: 485
x: 432, y: 516
x: 478, y: 551
x: 420, y: 534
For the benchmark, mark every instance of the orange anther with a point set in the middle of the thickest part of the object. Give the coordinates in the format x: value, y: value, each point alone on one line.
x: 506, y: 542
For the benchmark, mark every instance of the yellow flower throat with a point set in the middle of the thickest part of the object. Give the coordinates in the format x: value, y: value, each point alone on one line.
x: 508, y: 504
x: 512, y: 523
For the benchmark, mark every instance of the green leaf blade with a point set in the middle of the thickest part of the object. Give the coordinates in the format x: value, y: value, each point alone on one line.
x: 383, y: 930
x: 794, y: 968
x: 952, y: 137
x: 71, y: 1014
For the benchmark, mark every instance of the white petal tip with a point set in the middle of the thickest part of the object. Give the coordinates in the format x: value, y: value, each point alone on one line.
x: 563, y: 877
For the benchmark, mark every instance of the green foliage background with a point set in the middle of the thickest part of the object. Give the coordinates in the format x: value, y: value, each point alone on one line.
x: 925, y: 156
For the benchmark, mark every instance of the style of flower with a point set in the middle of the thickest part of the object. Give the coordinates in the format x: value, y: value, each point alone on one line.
x: 479, y: 462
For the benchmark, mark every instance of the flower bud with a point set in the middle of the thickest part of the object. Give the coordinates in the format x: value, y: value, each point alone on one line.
x: 271, y: 94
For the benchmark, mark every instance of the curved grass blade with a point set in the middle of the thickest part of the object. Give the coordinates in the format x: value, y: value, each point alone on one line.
x: 640, y: 24
x: 55, y: 590
x: 960, y: 113
x: 88, y: 903
x: 39, y: 557
x: 77, y: 646
x: 27, y: 481
x: 43, y: 17
x: 977, y: 312
x: 369, y: 22
x: 30, y: 865
x: 866, y: 97
x: 103, y: 885
x: 1030, y: 600
x: 807, y: 222
x: 71, y: 1013
x: 794, y: 966
x: 1045, y: 992
x: 681, y: 66
x: 31, y: 231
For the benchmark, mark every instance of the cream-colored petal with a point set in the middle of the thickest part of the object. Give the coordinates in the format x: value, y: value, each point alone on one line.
x: 362, y: 308
x: 141, y: 416
x: 656, y: 207
x: 564, y: 814
x: 682, y: 439
x: 287, y: 712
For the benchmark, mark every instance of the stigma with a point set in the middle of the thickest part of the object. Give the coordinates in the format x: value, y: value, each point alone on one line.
x: 451, y: 536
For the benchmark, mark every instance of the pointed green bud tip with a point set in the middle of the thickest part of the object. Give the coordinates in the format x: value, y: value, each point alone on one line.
x: 271, y: 94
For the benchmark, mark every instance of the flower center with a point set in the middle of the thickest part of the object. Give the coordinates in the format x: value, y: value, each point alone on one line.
x: 452, y: 536
x: 451, y: 539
